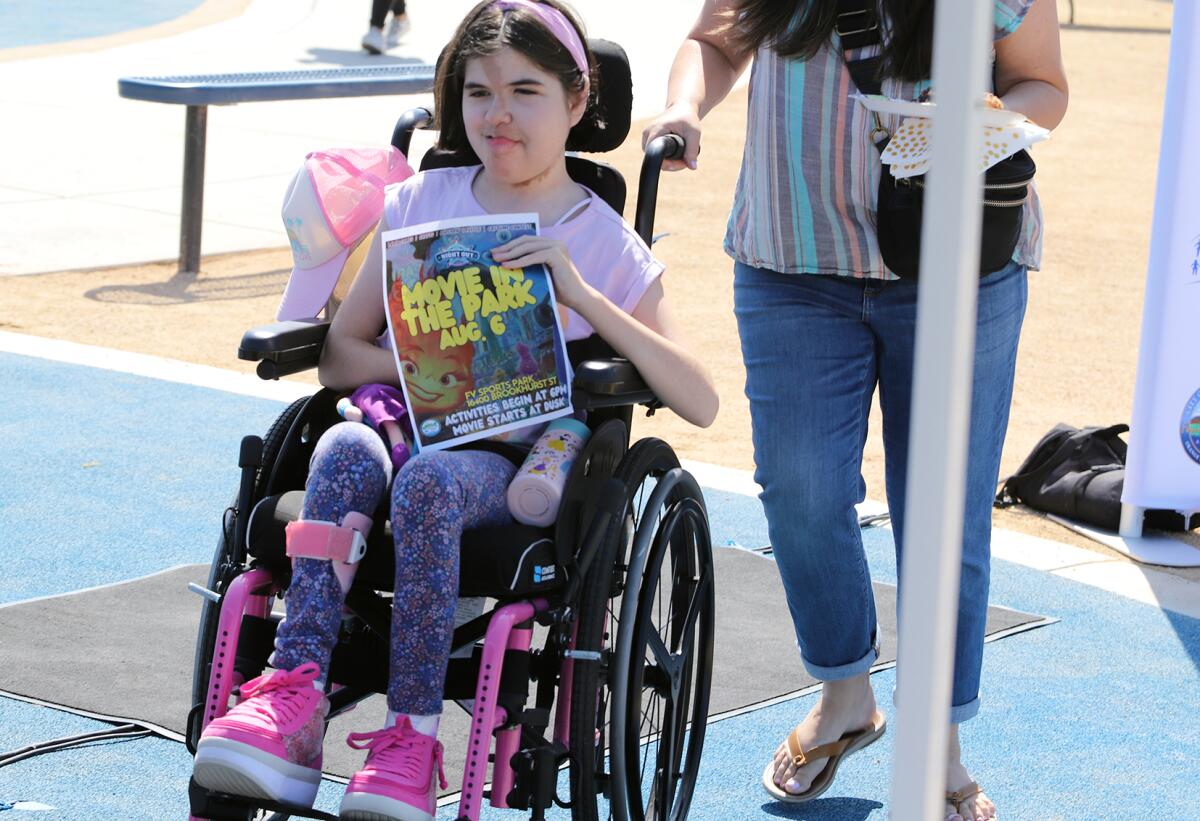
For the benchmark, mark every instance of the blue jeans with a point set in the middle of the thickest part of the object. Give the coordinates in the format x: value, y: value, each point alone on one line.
x: 815, y: 347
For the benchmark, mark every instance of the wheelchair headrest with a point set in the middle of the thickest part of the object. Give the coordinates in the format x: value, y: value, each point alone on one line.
x: 614, y: 101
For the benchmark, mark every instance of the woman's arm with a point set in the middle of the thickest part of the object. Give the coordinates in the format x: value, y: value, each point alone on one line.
x: 1030, y: 77
x: 705, y: 69
x: 350, y: 357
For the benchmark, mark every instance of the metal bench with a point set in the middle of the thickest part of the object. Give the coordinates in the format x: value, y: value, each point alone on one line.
x: 198, y: 92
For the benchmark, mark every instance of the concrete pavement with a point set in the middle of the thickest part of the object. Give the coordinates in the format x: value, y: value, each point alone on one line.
x: 88, y: 179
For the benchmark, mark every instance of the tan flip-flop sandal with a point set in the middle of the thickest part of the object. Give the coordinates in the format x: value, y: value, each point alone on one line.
x: 835, y: 751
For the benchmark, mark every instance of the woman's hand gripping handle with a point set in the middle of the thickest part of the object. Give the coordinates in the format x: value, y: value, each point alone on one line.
x: 681, y: 121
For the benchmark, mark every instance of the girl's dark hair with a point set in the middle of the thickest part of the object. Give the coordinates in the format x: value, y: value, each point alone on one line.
x: 798, y: 29
x: 485, y: 30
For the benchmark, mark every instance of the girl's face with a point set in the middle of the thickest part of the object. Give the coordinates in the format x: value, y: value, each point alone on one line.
x: 517, y: 115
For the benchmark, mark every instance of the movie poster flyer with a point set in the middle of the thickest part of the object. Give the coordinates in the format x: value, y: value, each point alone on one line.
x: 479, y: 346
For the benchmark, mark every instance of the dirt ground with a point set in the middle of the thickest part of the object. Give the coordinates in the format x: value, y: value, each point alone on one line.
x: 1078, y: 352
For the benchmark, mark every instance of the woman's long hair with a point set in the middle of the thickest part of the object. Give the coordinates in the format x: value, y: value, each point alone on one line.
x: 798, y: 29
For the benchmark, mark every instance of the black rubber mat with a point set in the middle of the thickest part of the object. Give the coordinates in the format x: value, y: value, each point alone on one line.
x: 125, y: 651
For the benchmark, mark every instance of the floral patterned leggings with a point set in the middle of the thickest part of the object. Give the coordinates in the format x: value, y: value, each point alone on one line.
x: 435, y: 497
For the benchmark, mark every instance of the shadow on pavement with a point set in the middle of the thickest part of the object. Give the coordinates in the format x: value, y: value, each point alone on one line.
x: 356, y: 57
x: 190, y: 287
x: 824, y: 809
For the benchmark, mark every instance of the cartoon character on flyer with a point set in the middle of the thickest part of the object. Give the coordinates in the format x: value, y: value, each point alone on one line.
x: 438, y: 380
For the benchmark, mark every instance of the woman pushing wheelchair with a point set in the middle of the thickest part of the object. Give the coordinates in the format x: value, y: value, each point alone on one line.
x: 824, y: 317
x: 515, y: 79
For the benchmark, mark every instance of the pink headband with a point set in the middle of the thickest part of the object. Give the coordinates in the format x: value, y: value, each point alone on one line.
x: 559, y: 26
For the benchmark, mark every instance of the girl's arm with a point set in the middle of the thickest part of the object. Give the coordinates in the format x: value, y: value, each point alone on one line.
x: 1030, y: 77
x: 350, y: 357
x: 705, y: 69
x: 649, y: 338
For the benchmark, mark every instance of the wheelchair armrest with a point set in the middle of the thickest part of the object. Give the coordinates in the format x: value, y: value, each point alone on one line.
x: 282, y: 348
x: 606, y: 383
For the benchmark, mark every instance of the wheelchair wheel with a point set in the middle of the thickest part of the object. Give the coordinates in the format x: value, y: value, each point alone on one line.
x: 662, y: 665
x: 228, y: 561
x: 599, y: 787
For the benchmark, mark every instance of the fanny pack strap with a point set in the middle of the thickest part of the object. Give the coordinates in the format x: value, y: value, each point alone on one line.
x: 857, y: 27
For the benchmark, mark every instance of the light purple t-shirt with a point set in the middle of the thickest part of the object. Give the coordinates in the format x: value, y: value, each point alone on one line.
x: 609, y: 254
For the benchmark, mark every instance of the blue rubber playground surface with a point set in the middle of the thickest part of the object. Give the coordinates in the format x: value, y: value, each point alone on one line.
x: 106, y: 476
x: 38, y: 22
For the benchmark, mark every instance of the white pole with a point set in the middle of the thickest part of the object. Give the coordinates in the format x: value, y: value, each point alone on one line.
x: 941, y: 401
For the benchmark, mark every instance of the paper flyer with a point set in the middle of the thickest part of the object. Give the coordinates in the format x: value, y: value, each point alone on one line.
x: 908, y: 151
x: 479, y: 347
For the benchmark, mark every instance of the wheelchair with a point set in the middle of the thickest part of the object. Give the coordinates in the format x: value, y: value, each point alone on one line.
x: 597, y: 656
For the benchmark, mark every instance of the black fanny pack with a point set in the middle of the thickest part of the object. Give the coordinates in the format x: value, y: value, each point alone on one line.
x: 900, y: 202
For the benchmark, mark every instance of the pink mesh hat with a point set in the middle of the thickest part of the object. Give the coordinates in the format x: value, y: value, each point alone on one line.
x: 334, y: 200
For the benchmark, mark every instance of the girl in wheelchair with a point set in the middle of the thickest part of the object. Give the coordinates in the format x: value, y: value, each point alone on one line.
x: 515, y: 79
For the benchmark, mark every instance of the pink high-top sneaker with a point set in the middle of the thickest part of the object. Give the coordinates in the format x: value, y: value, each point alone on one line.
x: 397, y: 782
x: 269, y: 744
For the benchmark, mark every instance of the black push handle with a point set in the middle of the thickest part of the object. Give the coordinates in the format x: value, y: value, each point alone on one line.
x: 409, y: 122
x: 666, y: 147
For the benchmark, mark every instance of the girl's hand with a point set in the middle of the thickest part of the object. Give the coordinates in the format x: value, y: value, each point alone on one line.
x: 569, y: 288
x: 684, y: 120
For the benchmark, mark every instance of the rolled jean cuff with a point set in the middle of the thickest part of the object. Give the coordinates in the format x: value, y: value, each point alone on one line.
x: 958, y: 713
x: 964, y: 712
x: 842, y: 671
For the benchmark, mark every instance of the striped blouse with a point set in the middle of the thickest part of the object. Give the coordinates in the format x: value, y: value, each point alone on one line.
x: 805, y: 199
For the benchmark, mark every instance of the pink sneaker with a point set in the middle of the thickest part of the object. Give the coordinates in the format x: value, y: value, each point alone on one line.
x: 397, y: 780
x: 269, y: 744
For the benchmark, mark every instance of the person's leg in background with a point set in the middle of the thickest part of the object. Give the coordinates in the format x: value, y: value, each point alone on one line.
x: 1001, y: 311
x: 810, y: 373
x: 399, y: 25
x: 375, y: 41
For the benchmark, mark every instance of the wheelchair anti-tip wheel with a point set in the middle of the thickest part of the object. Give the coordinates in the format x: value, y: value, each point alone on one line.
x: 648, y: 609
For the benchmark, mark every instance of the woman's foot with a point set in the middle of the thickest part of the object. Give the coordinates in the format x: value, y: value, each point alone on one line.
x: 844, y: 706
x: 975, y: 805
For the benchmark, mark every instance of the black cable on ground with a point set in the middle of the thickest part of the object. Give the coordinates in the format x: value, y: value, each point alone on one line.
x: 122, y: 731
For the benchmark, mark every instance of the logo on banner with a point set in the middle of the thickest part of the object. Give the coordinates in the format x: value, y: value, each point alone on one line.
x: 1195, y: 266
x: 1189, y: 427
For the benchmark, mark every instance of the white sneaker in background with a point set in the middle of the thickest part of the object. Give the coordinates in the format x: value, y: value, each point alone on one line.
x: 397, y: 28
x: 373, y: 42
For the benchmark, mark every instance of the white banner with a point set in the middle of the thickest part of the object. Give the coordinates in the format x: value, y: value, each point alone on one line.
x: 1163, y: 469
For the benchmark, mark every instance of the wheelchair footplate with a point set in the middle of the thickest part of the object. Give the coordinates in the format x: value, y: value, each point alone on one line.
x: 217, y: 806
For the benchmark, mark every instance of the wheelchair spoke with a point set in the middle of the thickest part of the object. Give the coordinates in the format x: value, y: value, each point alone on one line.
x: 697, y: 604
x: 668, y: 663
x: 649, y: 739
